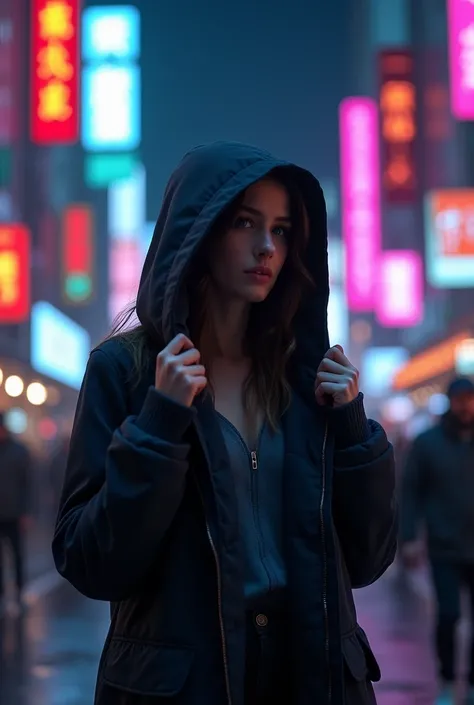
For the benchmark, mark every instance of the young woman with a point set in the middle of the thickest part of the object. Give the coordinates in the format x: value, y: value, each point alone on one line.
x: 225, y: 490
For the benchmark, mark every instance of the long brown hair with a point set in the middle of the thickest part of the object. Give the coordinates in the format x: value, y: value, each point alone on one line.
x: 270, y: 336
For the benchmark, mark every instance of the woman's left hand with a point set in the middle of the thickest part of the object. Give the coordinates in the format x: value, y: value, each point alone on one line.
x: 337, y: 380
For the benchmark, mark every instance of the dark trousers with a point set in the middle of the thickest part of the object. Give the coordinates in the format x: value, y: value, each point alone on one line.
x: 266, y: 679
x: 448, y: 578
x: 10, y: 531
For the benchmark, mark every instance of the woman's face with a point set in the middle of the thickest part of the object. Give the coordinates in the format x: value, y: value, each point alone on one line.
x: 246, y: 260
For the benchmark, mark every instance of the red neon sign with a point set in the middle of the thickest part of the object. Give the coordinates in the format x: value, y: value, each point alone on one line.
x: 78, y: 253
x: 55, y: 71
x: 14, y: 273
x: 398, y: 115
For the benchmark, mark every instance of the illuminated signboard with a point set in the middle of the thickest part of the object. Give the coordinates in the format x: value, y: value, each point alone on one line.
x: 125, y: 265
x: 431, y: 363
x: 379, y: 366
x: 78, y: 253
x: 398, y: 106
x: 110, y: 31
x: 111, y: 79
x: 59, y: 346
x: 338, y: 317
x: 111, y: 108
x: 360, y: 199
x: 100, y: 170
x: 461, y: 58
x: 55, y: 72
x: 15, y: 246
x: 399, y: 301
x: 126, y: 223
x: 126, y: 208
x: 449, y: 238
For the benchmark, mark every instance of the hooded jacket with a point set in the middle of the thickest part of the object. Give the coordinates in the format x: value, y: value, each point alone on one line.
x: 148, y: 516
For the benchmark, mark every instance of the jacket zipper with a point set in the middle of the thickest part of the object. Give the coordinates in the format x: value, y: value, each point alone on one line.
x: 254, y: 460
x: 325, y: 564
x: 218, y: 576
x: 253, y: 456
x: 221, y: 618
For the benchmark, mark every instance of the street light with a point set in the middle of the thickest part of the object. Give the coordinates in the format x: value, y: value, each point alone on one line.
x: 36, y: 393
x: 14, y: 386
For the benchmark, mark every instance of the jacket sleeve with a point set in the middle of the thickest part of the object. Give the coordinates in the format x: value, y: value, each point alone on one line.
x: 412, y: 492
x: 124, y: 482
x: 364, y: 500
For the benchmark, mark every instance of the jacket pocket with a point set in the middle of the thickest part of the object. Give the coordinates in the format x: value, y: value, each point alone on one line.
x: 359, y: 658
x: 146, y: 669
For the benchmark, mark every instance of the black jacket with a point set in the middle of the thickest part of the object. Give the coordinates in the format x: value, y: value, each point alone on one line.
x: 438, y: 490
x: 148, y: 518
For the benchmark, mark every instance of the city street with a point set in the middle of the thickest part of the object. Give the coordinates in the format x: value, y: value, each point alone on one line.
x: 49, y: 656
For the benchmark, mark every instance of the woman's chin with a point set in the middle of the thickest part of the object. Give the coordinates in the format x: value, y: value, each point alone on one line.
x: 257, y: 297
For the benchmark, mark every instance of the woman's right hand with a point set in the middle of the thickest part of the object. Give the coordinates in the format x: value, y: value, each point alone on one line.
x: 178, y: 373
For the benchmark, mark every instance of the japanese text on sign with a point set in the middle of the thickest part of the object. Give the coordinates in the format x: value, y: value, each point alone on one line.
x: 56, y: 65
x: 53, y: 61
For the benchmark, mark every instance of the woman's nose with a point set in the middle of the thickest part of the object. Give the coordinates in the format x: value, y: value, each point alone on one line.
x: 266, y: 246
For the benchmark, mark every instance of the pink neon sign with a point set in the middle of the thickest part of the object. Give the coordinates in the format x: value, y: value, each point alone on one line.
x: 399, y: 301
x: 461, y: 57
x: 360, y: 198
x: 125, y: 263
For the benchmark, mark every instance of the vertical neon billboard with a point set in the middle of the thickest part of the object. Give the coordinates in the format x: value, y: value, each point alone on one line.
x: 15, y: 250
x: 399, y: 301
x: 126, y: 221
x: 461, y: 57
x: 360, y: 199
x: 78, y: 253
x: 55, y: 71
x: 111, y: 79
x: 398, y: 112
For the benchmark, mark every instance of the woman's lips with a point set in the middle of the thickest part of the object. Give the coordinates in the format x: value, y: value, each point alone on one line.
x: 263, y: 274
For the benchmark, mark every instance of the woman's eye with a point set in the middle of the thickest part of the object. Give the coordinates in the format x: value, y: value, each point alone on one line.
x: 279, y: 231
x: 243, y: 223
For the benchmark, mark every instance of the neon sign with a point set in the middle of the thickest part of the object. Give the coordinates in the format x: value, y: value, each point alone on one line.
x: 15, y: 247
x: 55, y: 84
x: 461, y: 58
x: 360, y: 199
x: 398, y: 106
x: 78, y: 253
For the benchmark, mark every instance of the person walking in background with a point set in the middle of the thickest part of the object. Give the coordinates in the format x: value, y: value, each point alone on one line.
x: 438, y: 490
x: 14, y: 504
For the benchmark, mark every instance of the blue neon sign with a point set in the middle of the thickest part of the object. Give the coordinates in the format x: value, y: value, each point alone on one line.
x: 111, y: 33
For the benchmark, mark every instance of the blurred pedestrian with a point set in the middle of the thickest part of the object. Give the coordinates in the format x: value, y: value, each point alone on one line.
x: 224, y: 487
x: 14, y: 506
x: 438, y: 494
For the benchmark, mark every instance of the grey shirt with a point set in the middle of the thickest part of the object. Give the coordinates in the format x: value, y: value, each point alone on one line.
x: 258, y: 479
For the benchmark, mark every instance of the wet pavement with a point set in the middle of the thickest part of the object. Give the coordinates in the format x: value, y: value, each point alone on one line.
x: 50, y: 655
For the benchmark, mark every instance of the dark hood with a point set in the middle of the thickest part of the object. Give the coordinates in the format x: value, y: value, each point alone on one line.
x: 205, y: 182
